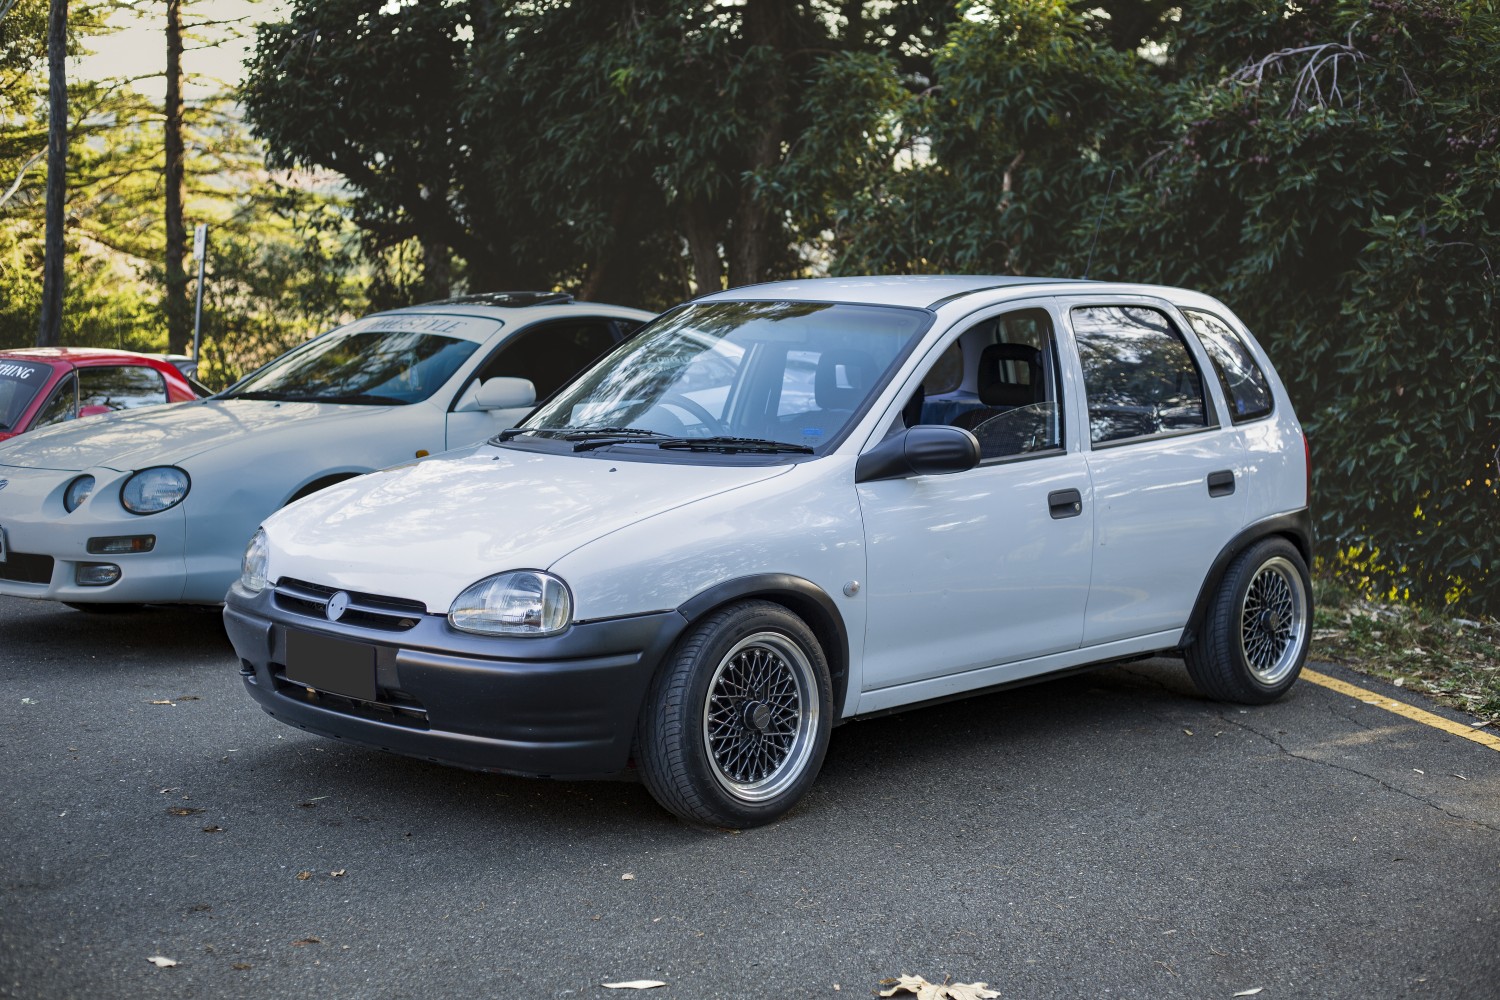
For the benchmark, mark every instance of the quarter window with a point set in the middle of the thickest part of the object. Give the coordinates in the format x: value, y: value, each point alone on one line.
x: 1139, y: 377
x: 1245, y: 385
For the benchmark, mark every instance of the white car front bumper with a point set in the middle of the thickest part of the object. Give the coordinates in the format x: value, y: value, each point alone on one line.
x: 47, y: 548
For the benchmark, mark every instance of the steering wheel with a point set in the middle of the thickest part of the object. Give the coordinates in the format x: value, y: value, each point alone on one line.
x: 696, y: 409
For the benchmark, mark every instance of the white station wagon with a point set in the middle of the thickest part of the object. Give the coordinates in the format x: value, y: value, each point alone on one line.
x: 155, y: 505
x: 782, y: 507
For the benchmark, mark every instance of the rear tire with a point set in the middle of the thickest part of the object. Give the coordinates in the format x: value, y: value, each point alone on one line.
x: 1257, y: 630
x: 736, y: 724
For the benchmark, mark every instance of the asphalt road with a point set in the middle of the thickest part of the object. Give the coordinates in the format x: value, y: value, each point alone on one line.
x: 1106, y: 835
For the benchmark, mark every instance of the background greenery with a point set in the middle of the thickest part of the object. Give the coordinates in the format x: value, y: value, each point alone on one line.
x: 1329, y: 168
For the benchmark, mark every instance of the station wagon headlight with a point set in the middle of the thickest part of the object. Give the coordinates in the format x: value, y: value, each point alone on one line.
x: 253, y: 566
x: 524, y: 602
x: 78, y: 491
x: 153, y: 490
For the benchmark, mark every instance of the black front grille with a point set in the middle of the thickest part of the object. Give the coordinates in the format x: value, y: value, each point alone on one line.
x: 394, y: 707
x: 23, y: 567
x: 387, y: 614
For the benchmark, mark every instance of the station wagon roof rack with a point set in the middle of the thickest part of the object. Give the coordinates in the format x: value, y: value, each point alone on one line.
x: 513, y: 300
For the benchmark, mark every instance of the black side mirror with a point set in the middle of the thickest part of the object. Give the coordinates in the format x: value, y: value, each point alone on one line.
x: 923, y: 450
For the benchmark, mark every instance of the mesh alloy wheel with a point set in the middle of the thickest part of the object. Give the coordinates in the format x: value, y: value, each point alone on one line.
x: 760, y: 716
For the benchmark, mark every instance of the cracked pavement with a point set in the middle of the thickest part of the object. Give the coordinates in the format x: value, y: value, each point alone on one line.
x: 1108, y: 834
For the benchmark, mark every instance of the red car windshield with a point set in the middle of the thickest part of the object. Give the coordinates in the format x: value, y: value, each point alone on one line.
x: 20, y: 381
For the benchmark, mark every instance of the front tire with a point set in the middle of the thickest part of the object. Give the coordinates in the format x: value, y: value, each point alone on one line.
x: 736, y: 724
x: 1258, y: 627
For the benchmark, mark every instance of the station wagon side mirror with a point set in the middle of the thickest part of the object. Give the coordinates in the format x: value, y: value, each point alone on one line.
x: 498, y: 394
x: 923, y: 450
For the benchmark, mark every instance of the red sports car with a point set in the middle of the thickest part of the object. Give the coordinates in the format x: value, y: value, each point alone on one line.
x: 47, y: 385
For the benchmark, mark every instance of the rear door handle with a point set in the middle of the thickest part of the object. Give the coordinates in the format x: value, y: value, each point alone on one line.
x: 1221, y: 483
x: 1064, y: 503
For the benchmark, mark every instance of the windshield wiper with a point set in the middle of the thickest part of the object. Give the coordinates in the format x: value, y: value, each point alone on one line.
x: 733, y: 444
x: 602, y: 437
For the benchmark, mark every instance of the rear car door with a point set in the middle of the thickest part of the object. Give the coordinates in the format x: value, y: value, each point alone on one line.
x: 1168, y: 477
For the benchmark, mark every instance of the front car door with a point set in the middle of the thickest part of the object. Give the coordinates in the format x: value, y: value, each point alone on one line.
x: 988, y: 566
x: 547, y: 353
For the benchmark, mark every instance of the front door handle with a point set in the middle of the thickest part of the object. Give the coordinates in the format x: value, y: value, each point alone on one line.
x: 1221, y: 483
x: 1064, y: 503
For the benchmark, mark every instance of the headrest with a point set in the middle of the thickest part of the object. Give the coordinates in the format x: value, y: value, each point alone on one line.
x: 1022, y: 386
x: 842, y: 379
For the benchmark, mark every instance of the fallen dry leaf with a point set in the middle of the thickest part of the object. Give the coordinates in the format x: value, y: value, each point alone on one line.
x: 162, y: 961
x: 213, y: 829
x: 337, y: 874
x: 182, y: 810
x: 188, y: 697
x: 304, y: 942
x: 242, y: 966
x: 303, y: 876
x: 634, y: 984
x: 937, y: 991
x: 162, y: 701
x: 627, y: 877
x: 1249, y: 993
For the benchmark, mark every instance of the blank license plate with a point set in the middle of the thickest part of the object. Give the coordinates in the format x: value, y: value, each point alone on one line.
x: 333, y: 665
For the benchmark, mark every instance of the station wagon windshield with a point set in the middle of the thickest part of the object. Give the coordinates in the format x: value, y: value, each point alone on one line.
x: 377, y: 367
x: 761, y: 377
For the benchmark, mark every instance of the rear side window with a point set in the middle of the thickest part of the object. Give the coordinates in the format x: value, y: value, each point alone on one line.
x: 120, y: 388
x: 1138, y: 374
x: 1245, y: 384
x: 61, y: 405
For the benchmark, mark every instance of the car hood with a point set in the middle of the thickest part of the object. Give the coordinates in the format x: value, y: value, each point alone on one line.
x: 161, y: 435
x: 428, y: 530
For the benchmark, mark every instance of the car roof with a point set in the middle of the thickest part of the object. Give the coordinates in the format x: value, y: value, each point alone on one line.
x: 930, y: 291
x: 518, y: 306
x: 82, y: 355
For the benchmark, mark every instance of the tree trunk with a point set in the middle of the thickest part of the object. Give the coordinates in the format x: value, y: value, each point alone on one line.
x: 755, y: 225
x: 703, y: 245
x: 179, y: 311
x: 49, y: 328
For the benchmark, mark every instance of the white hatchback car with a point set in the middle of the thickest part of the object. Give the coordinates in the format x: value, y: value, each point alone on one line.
x: 785, y: 506
x: 155, y: 505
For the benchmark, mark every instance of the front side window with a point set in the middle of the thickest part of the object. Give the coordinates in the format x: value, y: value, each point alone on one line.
x: 61, y: 405
x: 360, y: 364
x: 1138, y: 375
x: 1245, y: 385
x: 1011, y: 400
x: 20, y: 381
x: 739, y: 376
x: 550, y: 354
x: 121, y: 387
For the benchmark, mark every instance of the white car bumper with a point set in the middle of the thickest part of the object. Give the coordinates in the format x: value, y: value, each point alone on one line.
x: 48, y: 550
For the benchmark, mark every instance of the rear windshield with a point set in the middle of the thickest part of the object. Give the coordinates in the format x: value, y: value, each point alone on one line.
x: 20, y: 381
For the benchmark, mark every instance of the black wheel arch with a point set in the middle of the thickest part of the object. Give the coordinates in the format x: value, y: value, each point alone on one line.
x: 1295, y: 527
x: 804, y: 599
x: 321, y: 483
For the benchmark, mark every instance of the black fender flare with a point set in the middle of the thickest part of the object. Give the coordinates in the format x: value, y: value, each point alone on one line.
x: 804, y: 598
x: 1295, y: 526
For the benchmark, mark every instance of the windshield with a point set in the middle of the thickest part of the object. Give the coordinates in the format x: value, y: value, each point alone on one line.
x: 20, y: 381
x: 360, y: 364
x: 736, y: 376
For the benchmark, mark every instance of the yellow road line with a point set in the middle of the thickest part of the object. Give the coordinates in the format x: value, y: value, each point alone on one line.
x: 1401, y: 708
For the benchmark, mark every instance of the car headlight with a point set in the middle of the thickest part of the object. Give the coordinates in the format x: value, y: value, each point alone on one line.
x: 524, y: 602
x: 154, y: 490
x: 253, y: 566
x: 78, y: 491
